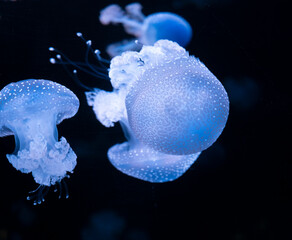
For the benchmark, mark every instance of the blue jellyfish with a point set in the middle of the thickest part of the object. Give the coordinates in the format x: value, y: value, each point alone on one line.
x: 244, y: 92
x: 169, y: 105
x: 104, y: 225
x: 147, y: 30
x: 30, y: 110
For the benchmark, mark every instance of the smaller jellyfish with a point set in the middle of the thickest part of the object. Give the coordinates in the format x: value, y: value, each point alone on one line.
x: 169, y: 105
x: 147, y: 30
x: 30, y: 110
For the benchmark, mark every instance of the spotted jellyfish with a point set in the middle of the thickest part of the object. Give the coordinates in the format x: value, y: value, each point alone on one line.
x: 30, y: 110
x: 170, y: 107
x: 147, y: 30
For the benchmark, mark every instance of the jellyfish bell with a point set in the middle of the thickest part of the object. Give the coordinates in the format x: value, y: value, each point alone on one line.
x: 182, y: 110
x: 165, y: 25
x: 144, y: 163
x: 170, y: 107
x: 30, y: 110
x: 147, y: 30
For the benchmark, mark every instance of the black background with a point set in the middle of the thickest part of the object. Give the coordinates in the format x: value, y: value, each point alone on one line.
x: 240, y: 188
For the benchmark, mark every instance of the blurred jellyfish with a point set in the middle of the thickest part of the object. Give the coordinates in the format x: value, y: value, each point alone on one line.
x: 24, y: 213
x: 147, y: 30
x: 109, y: 225
x: 30, y: 110
x: 244, y: 92
x: 170, y: 107
x: 105, y: 225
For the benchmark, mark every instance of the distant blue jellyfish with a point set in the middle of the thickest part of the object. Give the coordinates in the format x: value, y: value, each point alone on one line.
x: 244, y: 92
x: 30, y: 110
x: 104, y: 225
x: 147, y: 30
x: 170, y: 107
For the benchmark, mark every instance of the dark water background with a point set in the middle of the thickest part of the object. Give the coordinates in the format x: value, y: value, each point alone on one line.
x: 239, y: 189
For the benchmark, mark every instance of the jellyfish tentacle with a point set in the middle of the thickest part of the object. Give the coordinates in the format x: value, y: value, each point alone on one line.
x: 130, y: 19
x: 134, y: 10
x: 86, y: 67
x: 95, y: 54
x: 111, y: 14
x: 99, y: 72
x: 66, y: 189
x: 38, y: 195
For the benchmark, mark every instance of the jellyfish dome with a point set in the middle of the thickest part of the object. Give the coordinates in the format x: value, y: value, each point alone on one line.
x: 30, y: 110
x: 147, y: 30
x: 170, y: 106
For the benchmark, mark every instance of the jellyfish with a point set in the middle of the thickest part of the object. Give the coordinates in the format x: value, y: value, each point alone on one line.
x: 107, y: 225
x: 169, y: 105
x: 30, y: 110
x: 147, y: 30
x: 244, y: 92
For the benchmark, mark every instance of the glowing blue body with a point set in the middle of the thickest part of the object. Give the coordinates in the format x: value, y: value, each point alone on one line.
x: 147, y: 30
x: 168, y: 26
x: 30, y: 110
x: 170, y: 106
